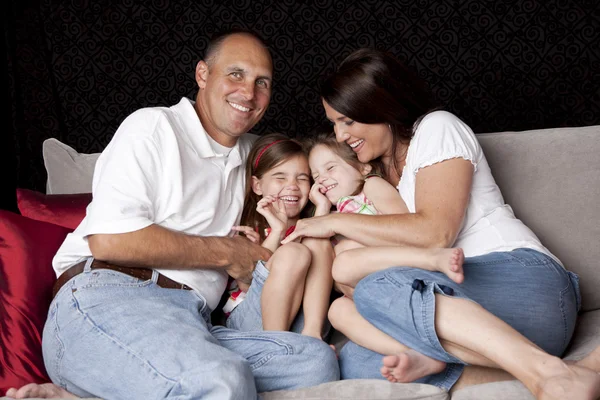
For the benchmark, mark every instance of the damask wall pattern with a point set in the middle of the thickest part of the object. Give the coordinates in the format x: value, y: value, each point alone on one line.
x: 76, y: 69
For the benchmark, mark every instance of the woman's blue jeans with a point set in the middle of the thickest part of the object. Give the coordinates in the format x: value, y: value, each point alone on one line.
x: 525, y: 288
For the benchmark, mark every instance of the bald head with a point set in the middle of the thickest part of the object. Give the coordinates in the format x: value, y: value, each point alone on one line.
x: 216, y: 43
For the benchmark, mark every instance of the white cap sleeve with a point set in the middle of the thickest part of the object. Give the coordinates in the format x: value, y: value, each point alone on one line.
x: 442, y: 136
x: 125, y: 179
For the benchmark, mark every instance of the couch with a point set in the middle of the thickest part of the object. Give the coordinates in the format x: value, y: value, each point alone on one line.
x: 551, y: 178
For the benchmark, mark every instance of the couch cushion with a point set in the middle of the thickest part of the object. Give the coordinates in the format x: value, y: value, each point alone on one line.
x: 61, y: 209
x: 27, y: 247
x: 551, y: 178
x: 362, y: 389
x: 68, y: 170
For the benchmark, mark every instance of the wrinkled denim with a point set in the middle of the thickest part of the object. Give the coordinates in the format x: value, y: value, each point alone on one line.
x: 525, y: 288
x: 113, y: 336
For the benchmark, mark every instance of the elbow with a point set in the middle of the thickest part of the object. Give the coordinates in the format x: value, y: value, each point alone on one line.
x: 442, y: 240
x: 100, y: 246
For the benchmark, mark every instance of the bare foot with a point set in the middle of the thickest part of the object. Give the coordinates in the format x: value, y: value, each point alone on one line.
x: 409, y: 366
x: 450, y: 262
x: 42, y: 391
x: 575, y: 382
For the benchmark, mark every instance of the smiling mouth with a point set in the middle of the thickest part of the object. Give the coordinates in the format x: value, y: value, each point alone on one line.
x: 239, y: 107
x: 357, y: 143
x: 290, y: 199
x: 328, y: 188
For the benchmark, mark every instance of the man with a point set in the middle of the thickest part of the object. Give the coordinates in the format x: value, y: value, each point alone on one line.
x: 167, y: 190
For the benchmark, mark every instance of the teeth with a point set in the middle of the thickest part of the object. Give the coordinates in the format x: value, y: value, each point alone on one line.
x: 289, y: 198
x: 357, y: 143
x: 239, y: 107
x: 328, y: 188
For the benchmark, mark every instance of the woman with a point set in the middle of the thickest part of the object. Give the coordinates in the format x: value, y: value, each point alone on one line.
x: 517, y: 307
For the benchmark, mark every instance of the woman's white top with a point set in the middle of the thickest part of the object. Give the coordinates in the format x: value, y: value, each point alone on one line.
x: 489, y: 224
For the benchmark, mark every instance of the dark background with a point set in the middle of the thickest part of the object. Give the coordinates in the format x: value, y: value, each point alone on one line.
x: 75, y: 69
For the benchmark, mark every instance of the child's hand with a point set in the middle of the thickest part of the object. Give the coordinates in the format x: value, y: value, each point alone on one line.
x: 273, y: 209
x: 248, y: 232
x: 320, y: 201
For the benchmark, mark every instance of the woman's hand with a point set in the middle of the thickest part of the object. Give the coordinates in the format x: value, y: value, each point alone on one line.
x: 321, y: 202
x: 273, y: 209
x: 316, y: 227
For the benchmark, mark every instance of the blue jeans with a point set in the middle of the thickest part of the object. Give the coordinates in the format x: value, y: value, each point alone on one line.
x: 525, y: 288
x: 247, y: 316
x: 114, y: 336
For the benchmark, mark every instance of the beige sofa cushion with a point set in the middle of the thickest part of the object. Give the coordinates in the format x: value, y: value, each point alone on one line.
x: 68, y: 170
x: 551, y: 178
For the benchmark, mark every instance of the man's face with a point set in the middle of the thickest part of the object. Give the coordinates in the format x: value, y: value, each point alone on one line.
x: 235, y: 88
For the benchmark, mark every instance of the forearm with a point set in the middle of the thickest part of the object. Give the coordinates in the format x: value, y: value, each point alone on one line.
x: 157, y: 247
x: 273, y: 241
x: 411, y: 229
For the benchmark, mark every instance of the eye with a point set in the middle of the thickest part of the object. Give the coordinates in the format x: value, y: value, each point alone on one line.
x: 236, y: 74
x: 330, y: 167
x: 302, y: 178
x: 262, y: 83
x: 348, y: 123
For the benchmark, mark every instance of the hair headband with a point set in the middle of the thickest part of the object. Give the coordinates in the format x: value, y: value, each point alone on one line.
x: 263, y: 150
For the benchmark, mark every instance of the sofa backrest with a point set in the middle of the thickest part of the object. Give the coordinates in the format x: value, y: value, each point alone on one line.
x: 551, y: 179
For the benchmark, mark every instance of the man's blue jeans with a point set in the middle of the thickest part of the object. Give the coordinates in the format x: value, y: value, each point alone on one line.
x: 525, y: 288
x: 114, y: 336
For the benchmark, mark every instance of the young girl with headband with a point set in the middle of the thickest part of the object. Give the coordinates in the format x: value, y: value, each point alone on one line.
x: 353, y: 187
x: 277, y: 192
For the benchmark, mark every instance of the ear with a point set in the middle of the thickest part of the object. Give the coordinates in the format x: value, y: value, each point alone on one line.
x: 366, y: 169
x: 256, y: 186
x: 201, y: 74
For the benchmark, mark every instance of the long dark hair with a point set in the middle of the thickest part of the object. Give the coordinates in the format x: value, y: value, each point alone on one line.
x: 269, y: 151
x: 372, y: 87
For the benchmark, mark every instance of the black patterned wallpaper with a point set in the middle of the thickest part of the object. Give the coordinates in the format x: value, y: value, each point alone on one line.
x: 77, y: 68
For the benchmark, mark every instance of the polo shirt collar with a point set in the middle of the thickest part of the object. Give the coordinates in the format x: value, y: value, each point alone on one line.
x: 198, y: 137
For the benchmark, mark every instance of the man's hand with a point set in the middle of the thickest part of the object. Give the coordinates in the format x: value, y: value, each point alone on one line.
x: 245, y: 254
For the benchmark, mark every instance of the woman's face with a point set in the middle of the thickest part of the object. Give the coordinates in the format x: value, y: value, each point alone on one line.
x: 368, y: 141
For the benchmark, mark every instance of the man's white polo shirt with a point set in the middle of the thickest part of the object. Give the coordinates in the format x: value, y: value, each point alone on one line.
x: 160, y: 168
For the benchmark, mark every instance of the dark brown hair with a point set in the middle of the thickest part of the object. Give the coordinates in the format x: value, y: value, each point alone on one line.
x: 372, y: 87
x: 271, y: 150
x: 327, y: 138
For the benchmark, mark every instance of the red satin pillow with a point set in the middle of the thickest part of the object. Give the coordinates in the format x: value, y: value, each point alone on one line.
x: 61, y: 209
x: 27, y: 247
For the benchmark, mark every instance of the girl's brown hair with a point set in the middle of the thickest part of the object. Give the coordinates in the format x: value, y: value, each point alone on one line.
x: 327, y: 138
x: 269, y: 151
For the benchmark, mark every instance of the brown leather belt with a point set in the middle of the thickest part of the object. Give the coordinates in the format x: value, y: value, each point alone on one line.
x: 139, y: 273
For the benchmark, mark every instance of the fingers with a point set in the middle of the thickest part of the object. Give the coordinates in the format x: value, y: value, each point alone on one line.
x: 249, y: 232
x: 292, y: 236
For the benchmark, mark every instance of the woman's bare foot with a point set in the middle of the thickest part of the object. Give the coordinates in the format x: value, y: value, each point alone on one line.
x: 450, y: 262
x: 409, y: 366
x: 42, y: 391
x: 574, y: 382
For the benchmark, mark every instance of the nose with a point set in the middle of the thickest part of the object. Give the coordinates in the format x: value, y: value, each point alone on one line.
x: 321, y: 179
x: 340, y: 136
x: 247, y: 90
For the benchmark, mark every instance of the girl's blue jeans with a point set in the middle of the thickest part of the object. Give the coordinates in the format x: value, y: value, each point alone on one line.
x: 525, y: 288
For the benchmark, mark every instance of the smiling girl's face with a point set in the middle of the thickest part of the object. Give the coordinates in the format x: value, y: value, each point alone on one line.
x: 337, y: 177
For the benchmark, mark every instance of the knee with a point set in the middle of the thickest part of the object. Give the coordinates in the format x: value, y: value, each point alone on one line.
x: 293, y: 257
x: 322, y: 365
x: 339, y: 269
x: 230, y: 378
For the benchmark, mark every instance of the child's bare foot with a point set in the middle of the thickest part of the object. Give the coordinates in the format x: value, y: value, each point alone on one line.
x: 409, y: 366
x: 42, y: 391
x: 450, y: 262
x: 575, y: 382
